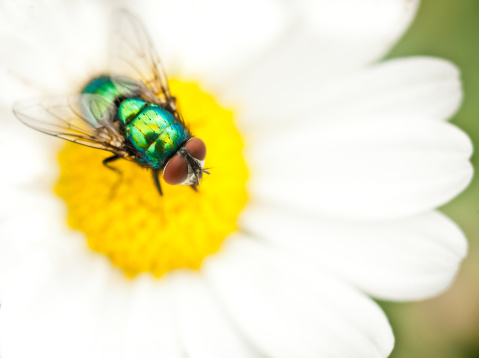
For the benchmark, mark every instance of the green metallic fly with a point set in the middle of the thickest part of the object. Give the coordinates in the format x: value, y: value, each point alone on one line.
x: 130, y: 112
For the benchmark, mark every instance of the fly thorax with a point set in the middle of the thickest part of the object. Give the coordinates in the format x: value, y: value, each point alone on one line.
x: 152, y: 131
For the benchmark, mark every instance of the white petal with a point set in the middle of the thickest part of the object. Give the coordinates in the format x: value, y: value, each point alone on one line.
x: 152, y: 328
x: 409, y: 259
x: 417, y: 86
x: 211, y: 39
x: 110, y: 311
x: 287, y: 308
x: 31, y: 215
x: 359, y: 30
x: 12, y: 253
x: 33, y: 164
x: 304, y: 60
x: 15, y: 16
x: 54, y: 302
x: 205, y: 328
x: 26, y: 70
x: 29, y: 220
x: 364, y: 169
x: 58, y: 47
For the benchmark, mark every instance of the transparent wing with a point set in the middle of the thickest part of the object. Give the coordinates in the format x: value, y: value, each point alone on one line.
x: 133, y: 54
x: 84, y: 119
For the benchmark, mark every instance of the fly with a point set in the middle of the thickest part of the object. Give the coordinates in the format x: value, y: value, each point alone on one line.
x: 129, y: 112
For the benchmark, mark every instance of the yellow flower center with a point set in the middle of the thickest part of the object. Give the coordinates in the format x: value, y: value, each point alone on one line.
x: 129, y: 222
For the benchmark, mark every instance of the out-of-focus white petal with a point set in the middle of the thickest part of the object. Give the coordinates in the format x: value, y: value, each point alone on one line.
x: 54, y: 50
x: 28, y: 217
x: 416, y: 86
x: 152, y: 325
x: 58, y: 299
x: 28, y: 220
x: 29, y: 156
x: 11, y: 254
x: 409, y: 259
x: 111, y: 312
x: 368, y: 168
x: 16, y: 16
x: 288, y: 308
x: 212, y: 39
x: 357, y: 31
x: 25, y: 71
x: 304, y: 60
x: 206, y: 331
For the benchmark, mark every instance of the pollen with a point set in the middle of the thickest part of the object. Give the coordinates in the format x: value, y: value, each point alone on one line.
x: 125, y: 218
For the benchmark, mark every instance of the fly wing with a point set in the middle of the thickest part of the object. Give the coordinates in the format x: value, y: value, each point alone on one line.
x: 133, y: 54
x: 84, y: 119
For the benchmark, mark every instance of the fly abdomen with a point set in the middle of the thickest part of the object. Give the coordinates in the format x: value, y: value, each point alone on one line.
x: 111, y: 91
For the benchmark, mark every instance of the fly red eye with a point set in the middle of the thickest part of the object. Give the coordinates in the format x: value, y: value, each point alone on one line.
x: 176, y: 170
x: 197, y: 148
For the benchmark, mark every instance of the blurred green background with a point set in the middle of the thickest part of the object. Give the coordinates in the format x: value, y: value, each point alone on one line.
x: 447, y: 326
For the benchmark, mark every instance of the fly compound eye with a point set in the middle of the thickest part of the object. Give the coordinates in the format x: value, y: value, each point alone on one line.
x: 176, y: 170
x: 197, y: 148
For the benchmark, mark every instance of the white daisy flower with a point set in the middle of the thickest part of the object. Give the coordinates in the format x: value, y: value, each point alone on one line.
x: 332, y: 202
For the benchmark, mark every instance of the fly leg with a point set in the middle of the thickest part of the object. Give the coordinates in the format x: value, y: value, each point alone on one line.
x: 106, y: 162
x: 109, y: 160
x: 156, y: 179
